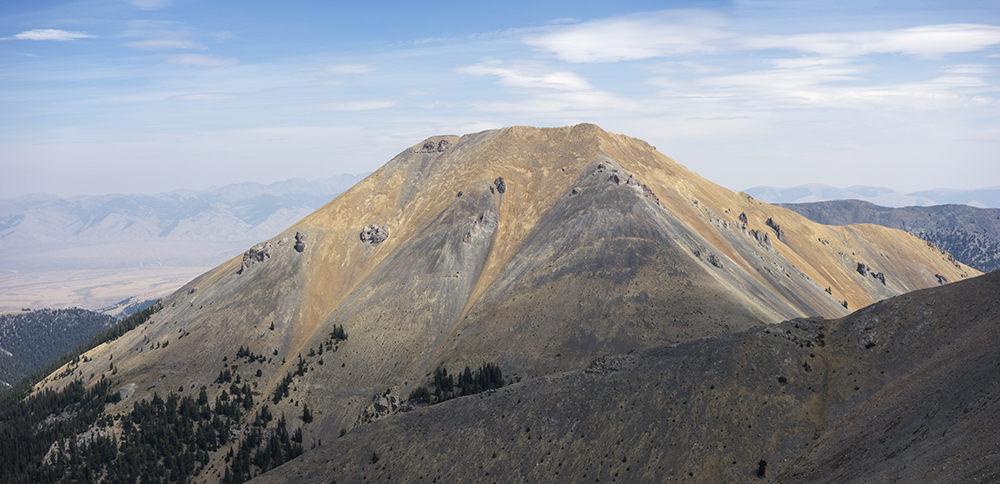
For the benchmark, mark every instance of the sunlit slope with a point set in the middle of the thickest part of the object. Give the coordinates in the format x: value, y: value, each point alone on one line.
x: 593, y: 243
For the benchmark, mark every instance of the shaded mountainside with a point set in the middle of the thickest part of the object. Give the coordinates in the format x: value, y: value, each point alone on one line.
x: 31, y: 339
x: 902, y: 391
x: 970, y: 234
x: 531, y: 250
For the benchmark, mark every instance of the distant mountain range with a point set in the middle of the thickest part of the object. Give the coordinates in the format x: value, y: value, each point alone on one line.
x: 92, y: 251
x: 238, y: 212
x: 970, y: 234
x: 887, y: 197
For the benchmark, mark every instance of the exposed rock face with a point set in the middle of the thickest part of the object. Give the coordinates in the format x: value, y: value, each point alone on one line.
x: 430, y: 146
x: 374, y: 235
x: 862, y: 269
x: 300, y: 243
x: 258, y: 253
x: 500, y: 185
x: 634, y: 183
x: 487, y: 221
x: 743, y: 217
x: 941, y: 279
x: 880, y: 276
x: 777, y: 228
x: 383, y: 406
x: 763, y: 238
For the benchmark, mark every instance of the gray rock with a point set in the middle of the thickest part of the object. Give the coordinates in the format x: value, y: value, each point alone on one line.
x: 258, y: 253
x: 500, y: 184
x: 300, y: 243
x: 374, y: 235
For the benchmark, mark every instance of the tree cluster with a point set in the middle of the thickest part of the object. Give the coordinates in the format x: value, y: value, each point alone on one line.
x: 468, y: 382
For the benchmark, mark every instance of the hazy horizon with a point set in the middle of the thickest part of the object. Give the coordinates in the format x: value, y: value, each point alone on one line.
x: 148, y: 96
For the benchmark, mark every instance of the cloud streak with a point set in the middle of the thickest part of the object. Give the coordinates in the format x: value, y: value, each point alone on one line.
x: 49, y: 34
x: 682, y: 33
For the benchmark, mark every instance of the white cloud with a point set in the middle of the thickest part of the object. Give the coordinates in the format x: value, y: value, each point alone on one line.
x: 559, y: 81
x: 360, y: 105
x: 929, y: 40
x: 165, y: 44
x: 49, y: 34
x: 635, y: 37
x: 199, y: 60
x: 548, y: 91
x: 349, y: 68
x: 685, y: 32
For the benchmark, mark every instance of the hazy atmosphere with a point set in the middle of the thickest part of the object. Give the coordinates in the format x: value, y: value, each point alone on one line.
x: 144, y: 96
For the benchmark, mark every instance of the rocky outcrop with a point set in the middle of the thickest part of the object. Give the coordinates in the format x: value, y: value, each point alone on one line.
x: 777, y: 228
x: 941, y: 279
x: 500, y: 185
x: 743, y: 218
x: 487, y: 221
x: 634, y: 183
x: 762, y: 238
x: 258, y: 253
x: 430, y: 146
x: 374, y: 235
x: 300, y: 242
x: 862, y: 269
x: 383, y: 406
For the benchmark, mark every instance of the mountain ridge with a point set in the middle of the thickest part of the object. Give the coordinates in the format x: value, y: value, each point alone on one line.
x: 987, y: 197
x: 534, y: 249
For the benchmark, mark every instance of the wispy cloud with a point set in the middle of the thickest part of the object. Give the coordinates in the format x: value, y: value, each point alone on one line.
x: 49, y: 34
x: 165, y: 44
x: 199, y: 60
x: 686, y: 32
x: 548, y: 91
x: 929, y: 40
x: 636, y: 37
x: 515, y: 77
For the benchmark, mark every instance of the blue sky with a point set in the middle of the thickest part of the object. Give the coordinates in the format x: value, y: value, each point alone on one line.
x: 144, y: 96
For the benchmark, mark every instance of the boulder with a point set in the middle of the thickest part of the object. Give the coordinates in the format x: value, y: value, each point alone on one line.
x: 258, y: 253
x: 374, y: 235
x: 300, y: 243
x: 500, y: 184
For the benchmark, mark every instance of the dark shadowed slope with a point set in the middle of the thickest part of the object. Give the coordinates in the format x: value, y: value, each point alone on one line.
x: 905, y: 390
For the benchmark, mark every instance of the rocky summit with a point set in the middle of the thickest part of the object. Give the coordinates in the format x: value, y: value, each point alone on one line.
x: 530, y: 252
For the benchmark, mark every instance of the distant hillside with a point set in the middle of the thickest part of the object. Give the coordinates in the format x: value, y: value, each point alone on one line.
x: 970, y: 234
x: 31, y: 339
x: 982, y: 198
